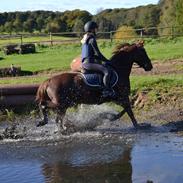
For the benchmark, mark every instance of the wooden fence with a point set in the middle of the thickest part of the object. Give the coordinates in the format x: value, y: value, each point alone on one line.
x: 75, y: 37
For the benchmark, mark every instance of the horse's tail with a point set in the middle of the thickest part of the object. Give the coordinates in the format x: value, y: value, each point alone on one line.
x: 41, y: 95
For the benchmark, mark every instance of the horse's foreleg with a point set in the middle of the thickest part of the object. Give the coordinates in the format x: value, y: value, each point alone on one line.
x: 125, y: 103
x: 129, y: 111
x: 44, y: 114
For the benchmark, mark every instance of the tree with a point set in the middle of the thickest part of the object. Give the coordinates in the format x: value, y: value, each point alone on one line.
x: 78, y: 26
x: 17, y: 24
x: 53, y: 27
x: 40, y: 23
x: 179, y: 15
x: 29, y: 25
x: 167, y: 16
x: 8, y: 27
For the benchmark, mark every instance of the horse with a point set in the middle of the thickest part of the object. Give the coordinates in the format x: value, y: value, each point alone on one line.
x: 69, y: 89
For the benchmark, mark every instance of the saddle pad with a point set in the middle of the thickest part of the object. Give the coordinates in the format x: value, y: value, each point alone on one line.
x: 96, y: 80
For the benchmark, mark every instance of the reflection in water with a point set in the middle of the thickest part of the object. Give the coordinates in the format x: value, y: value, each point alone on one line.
x: 90, y: 158
x: 118, y: 171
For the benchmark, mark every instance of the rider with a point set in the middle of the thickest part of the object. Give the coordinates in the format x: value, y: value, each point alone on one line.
x: 92, y: 57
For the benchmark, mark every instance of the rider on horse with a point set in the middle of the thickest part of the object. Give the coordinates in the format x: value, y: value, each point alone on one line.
x: 92, y: 57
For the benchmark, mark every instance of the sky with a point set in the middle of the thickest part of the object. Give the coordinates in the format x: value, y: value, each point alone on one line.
x: 93, y: 6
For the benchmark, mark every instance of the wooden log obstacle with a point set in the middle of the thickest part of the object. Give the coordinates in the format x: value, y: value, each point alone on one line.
x: 19, y: 48
x: 19, y: 95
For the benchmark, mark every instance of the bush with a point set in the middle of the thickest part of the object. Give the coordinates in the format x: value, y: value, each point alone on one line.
x: 125, y: 32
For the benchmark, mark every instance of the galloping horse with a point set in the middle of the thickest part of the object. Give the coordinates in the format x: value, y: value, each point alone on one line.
x: 69, y: 89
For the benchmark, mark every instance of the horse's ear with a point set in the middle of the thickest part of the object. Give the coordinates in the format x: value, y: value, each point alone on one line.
x: 140, y: 43
x: 125, y: 48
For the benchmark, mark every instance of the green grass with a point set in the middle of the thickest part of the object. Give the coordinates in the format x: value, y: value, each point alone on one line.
x: 165, y: 50
x: 23, y: 80
x: 137, y: 82
x: 163, y: 89
x: 29, y: 39
x: 164, y: 82
x: 48, y: 58
x: 58, y: 58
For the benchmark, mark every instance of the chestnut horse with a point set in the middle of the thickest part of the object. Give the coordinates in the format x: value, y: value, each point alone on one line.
x: 69, y: 89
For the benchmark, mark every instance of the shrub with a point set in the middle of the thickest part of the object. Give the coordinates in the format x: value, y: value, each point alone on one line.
x: 125, y: 32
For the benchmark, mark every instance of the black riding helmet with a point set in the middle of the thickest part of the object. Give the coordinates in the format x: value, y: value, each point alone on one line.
x: 89, y: 26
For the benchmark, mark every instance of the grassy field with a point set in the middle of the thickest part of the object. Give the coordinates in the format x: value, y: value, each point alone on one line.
x: 33, y: 38
x: 57, y: 58
x: 47, y: 58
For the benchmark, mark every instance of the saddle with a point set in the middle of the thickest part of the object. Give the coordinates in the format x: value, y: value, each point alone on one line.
x: 94, y: 79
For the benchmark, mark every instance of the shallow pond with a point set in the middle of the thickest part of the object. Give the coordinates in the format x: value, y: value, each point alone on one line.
x: 110, y: 154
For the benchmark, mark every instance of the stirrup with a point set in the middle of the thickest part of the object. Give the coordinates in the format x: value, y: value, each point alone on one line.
x: 108, y: 93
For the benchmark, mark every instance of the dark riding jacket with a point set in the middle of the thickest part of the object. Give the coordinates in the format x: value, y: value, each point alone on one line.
x: 91, y: 52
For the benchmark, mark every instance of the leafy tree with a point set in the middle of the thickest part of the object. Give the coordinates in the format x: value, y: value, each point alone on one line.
x: 29, y: 25
x: 8, y: 27
x: 167, y: 16
x: 17, y: 25
x: 53, y: 27
x: 78, y: 26
x: 179, y: 15
x: 40, y: 23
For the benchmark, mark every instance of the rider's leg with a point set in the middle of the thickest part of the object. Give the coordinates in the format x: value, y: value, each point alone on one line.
x: 106, y: 78
x: 99, y: 68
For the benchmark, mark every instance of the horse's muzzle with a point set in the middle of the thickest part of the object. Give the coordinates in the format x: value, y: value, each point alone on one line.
x: 148, y: 67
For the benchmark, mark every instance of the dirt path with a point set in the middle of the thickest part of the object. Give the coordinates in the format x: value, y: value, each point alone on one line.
x: 159, y: 68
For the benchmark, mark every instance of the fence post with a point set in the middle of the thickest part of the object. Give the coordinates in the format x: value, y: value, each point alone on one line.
x: 141, y: 33
x: 111, y: 36
x: 51, y: 39
x: 21, y: 39
x: 172, y: 31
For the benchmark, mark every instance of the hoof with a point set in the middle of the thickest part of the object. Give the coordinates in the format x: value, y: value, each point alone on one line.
x: 114, y: 117
x: 68, y: 129
x: 143, y: 126
x: 41, y: 123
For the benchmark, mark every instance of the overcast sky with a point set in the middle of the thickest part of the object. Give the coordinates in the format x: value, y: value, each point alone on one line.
x: 61, y: 5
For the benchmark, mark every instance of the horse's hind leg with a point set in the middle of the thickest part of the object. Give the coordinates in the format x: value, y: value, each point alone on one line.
x: 44, y: 114
x: 66, y: 127
x: 60, y: 118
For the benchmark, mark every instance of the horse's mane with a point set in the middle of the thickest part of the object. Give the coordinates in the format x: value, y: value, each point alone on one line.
x: 127, y: 47
x: 124, y: 47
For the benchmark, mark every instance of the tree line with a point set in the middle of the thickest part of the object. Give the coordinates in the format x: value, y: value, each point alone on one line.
x: 165, y: 13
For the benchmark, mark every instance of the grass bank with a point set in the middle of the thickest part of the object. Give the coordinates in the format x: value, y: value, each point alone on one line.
x: 148, y: 91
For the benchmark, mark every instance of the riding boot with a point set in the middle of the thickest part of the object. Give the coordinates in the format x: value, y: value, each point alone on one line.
x: 108, y: 91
